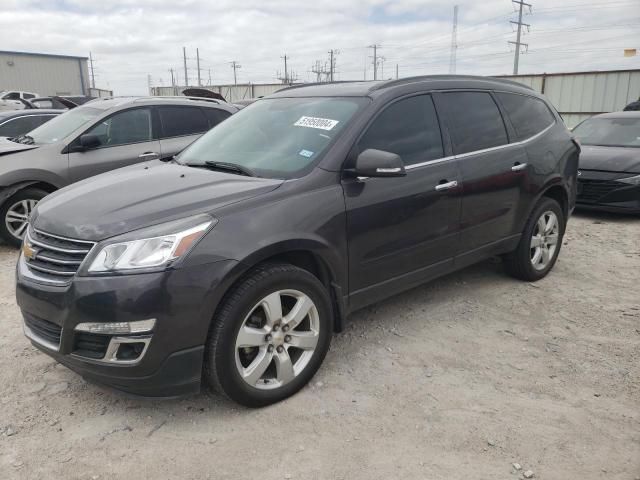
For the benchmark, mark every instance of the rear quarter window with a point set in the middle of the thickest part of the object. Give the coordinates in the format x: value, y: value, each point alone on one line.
x: 215, y: 116
x: 528, y: 115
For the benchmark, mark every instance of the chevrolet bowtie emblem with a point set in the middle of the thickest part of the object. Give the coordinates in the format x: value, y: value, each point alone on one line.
x: 28, y: 251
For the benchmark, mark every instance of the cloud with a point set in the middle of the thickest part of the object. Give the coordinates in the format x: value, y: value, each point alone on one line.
x: 131, y: 39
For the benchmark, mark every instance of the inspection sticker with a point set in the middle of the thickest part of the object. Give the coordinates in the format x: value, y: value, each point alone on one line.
x: 306, y: 153
x: 315, y: 122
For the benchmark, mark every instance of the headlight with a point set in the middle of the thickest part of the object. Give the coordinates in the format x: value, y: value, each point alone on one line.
x: 150, y: 252
x: 630, y: 180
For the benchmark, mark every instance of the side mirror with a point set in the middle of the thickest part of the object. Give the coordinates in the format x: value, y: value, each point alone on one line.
x: 89, y: 141
x: 378, y: 163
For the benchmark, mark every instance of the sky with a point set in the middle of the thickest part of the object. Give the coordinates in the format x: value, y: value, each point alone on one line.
x: 134, y: 42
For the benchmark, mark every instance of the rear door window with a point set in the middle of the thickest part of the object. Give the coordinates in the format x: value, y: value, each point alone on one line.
x: 408, y: 128
x: 215, y: 116
x: 179, y: 121
x: 529, y: 115
x: 474, y: 121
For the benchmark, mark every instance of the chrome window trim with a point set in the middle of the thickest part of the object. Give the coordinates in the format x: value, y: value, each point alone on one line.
x: 59, y: 237
x: 478, y: 152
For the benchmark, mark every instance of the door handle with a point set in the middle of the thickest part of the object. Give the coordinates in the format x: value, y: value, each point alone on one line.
x: 446, y: 186
x: 518, y: 166
x: 149, y: 156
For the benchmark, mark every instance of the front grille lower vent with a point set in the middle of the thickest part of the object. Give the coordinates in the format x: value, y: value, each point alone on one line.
x: 594, y: 190
x: 55, y: 258
x: 42, y: 329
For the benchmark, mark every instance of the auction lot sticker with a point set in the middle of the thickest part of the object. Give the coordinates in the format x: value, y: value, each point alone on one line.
x: 315, y: 122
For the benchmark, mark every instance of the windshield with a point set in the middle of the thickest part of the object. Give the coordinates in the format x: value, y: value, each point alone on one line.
x: 64, y: 124
x: 275, y: 138
x: 609, y: 132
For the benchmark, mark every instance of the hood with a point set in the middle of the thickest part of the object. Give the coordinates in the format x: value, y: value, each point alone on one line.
x: 7, y: 146
x: 610, y: 159
x: 139, y: 196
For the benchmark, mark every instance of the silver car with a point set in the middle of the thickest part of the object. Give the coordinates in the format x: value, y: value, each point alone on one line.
x: 99, y: 136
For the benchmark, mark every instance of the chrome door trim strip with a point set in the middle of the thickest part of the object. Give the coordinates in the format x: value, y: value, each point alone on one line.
x: 477, y: 152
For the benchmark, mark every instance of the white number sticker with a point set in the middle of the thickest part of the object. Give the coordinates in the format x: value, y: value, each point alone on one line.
x: 315, y: 122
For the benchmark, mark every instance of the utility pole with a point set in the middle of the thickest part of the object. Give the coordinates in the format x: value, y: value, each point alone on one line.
x: 375, y: 59
x: 209, y: 80
x: 454, y: 41
x: 518, y: 43
x: 331, y: 65
x: 397, y: 71
x: 235, y: 65
x: 184, y: 57
x: 93, y: 77
x: 173, y: 81
x: 198, y: 64
x: 149, y: 84
x: 285, y: 79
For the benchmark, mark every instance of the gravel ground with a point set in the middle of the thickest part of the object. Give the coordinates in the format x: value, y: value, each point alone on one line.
x: 457, y: 379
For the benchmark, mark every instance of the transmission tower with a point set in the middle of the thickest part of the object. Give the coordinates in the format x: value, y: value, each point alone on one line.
x: 520, y: 24
x: 454, y: 41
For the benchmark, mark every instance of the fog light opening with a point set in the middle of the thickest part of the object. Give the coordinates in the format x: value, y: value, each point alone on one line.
x: 130, y: 351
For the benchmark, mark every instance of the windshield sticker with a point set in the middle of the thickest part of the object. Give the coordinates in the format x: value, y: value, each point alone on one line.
x: 315, y: 122
x: 306, y: 153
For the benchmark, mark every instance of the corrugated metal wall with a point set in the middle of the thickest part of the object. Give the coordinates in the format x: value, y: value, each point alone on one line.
x: 579, y: 95
x: 43, y: 74
x: 232, y: 93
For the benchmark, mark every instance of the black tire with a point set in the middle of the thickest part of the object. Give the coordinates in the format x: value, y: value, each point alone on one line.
x: 220, y: 371
x: 25, y: 194
x: 518, y: 263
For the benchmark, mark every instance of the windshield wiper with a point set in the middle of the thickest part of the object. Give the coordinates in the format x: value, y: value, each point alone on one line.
x: 24, y: 139
x: 229, y: 167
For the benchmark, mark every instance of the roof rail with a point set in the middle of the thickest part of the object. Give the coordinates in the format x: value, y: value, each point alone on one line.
x: 404, y: 81
x: 179, y: 97
x: 315, y: 84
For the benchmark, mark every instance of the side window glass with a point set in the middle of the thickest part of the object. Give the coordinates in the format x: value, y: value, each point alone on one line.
x: 215, y: 116
x: 29, y: 95
x: 178, y: 121
x: 12, y: 96
x: 408, y: 128
x: 474, y: 121
x: 15, y: 127
x: 529, y: 115
x: 130, y: 126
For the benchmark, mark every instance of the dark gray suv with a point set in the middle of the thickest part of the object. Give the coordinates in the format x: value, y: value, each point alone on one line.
x: 236, y: 262
x: 99, y: 136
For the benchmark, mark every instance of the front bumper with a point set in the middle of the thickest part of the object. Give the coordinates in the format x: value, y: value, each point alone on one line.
x: 598, y: 190
x: 181, y: 301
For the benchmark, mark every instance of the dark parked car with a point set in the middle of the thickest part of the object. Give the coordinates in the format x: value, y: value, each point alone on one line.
x: 99, y: 136
x: 14, y: 123
x: 609, y: 175
x: 236, y: 262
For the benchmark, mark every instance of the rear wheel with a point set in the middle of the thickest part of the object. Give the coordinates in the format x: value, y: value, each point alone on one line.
x: 540, y: 243
x: 15, y: 213
x: 269, y: 336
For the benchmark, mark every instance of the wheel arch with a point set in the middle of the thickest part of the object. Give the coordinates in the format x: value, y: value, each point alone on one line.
x: 309, y: 255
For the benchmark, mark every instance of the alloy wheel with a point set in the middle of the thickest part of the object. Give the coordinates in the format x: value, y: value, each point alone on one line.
x: 17, y: 217
x: 277, y: 339
x: 544, y: 241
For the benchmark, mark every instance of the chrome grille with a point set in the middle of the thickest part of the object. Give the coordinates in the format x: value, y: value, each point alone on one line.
x: 53, y: 257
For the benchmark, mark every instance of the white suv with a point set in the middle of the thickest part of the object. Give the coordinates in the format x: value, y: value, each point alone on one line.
x: 10, y: 99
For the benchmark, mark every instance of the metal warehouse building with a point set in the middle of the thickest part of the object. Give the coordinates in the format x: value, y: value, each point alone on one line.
x: 576, y: 95
x: 43, y: 73
x: 579, y: 95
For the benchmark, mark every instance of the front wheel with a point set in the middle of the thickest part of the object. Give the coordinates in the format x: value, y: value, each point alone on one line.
x: 15, y: 213
x: 269, y: 336
x: 540, y: 243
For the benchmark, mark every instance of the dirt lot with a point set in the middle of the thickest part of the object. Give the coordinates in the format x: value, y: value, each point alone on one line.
x: 458, y: 379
